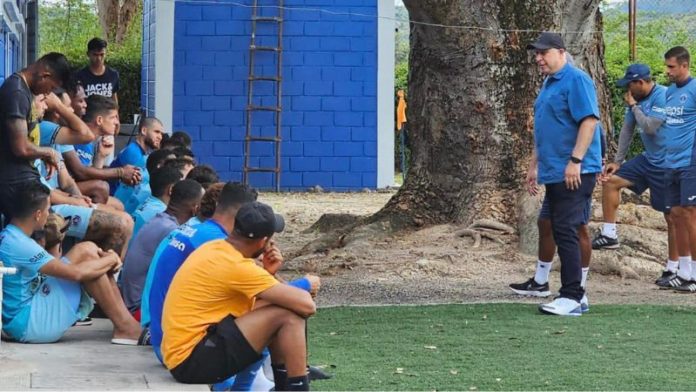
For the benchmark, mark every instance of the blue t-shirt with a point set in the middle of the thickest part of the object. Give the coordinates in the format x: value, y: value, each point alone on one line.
x: 134, y: 155
x: 86, y: 153
x: 177, y: 248
x: 20, y: 251
x: 680, y: 125
x: 566, y: 98
x: 146, y: 211
x: 48, y: 131
x: 653, y: 106
x: 134, y: 196
x: 41, y: 166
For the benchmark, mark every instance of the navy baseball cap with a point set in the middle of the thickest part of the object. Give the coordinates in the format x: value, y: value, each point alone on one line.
x: 634, y: 72
x: 257, y: 220
x: 547, y: 40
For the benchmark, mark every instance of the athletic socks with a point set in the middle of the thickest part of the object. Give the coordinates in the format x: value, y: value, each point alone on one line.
x: 280, y: 376
x: 583, y: 282
x: 684, y: 267
x: 300, y: 383
x: 542, y: 271
x: 609, y: 230
x: 672, y: 266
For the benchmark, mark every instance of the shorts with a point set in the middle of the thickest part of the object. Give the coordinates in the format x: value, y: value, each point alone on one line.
x: 222, y: 353
x: 79, y: 218
x: 645, y: 175
x: 545, y: 211
x: 680, y: 187
x: 55, y: 307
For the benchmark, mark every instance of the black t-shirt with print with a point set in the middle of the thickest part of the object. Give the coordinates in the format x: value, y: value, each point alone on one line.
x: 106, y: 84
x: 16, y: 103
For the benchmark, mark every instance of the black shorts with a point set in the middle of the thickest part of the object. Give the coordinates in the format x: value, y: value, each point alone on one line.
x: 222, y: 353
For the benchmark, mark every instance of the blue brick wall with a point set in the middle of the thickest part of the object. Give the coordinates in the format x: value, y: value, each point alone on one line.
x: 147, y: 73
x: 329, y: 99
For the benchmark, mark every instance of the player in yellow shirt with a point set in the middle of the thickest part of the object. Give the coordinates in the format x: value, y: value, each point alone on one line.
x: 212, y: 323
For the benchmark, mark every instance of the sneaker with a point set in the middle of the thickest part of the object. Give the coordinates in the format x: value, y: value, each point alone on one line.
x: 673, y: 283
x: 603, y: 242
x: 687, y: 287
x: 317, y: 373
x: 531, y: 288
x: 83, y: 322
x: 562, y: 307
x: 663, y: 280
x: 584, y: 304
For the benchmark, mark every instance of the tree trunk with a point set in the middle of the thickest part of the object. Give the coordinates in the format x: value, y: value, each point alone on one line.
x: 471, y: 101
x: 115, y: 16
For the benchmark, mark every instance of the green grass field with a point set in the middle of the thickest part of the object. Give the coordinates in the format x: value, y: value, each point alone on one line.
x: 504, y: 347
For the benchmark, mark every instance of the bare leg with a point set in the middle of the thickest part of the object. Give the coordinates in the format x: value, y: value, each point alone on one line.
x: 280, y: 329
x: 103, y: 290
x: 611, y: 197
x: 585, y: 246
x: 672, y: 250
x: 679, y: 217
x: 97, y: 190
x: 115, y: 204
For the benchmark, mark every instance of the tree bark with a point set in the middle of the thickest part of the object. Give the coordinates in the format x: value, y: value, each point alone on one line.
x: 471, y: 103
x: 115, y: 16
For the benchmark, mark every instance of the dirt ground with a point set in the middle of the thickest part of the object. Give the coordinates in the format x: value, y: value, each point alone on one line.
x: 432, y: 265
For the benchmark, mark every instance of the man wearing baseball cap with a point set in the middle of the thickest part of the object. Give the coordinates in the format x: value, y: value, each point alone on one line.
x: 566, y: 159
x: 645, y: 112
x: 211, y: 327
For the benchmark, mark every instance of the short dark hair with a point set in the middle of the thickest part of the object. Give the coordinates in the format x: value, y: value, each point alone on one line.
x: 186, y: 191
x: 96, y: 43
x: 163, y: 177
x: 204, y: 175
x: 148, y: 122
x: 181, y: 138
x: 30, y: 196
x: 680, y: 53
x: 176, y: 163
x: 234, y: 194
x: 99, y: 105
x: 182, y: 152
x: 210, y: 200
x: 58, y: 64
x: 156, y: 159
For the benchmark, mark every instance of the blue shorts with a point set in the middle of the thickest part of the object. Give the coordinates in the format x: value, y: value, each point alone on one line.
x: 680, y: 187
x: 545, y: 212
x: 55, y: 307
x: 79, y: 218
x: 645, y: 175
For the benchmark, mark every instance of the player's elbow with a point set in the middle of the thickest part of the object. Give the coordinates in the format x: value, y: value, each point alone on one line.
x: 307, y: 307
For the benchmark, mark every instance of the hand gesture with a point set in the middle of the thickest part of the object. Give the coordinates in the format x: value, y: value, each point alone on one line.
x: 52, y: 162
x: 106, y: 146
x: 531, y: 181
x: 609, y: 170
x: 53, y: 102
x: 628, y: 98
x: 572, y: 176
x: 314, y: 283
x: 131, y: 175
x: 272, y: 258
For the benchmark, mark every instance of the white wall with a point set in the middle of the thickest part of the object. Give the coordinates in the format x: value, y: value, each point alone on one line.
x: 385, y: 93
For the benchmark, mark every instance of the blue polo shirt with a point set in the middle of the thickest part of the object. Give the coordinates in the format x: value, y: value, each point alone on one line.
x: 652, y: 106
x: 146, y: 211
x: 20, y: 251
x: 566, y: 98
x: 133, y: 154
x: 680, y: 125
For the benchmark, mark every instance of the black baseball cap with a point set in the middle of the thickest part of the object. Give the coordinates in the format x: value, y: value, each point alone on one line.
x: 257, y: 220
x: 547, y: 40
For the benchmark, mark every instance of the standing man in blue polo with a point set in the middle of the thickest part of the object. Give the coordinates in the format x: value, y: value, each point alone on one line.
x: 680, y: 158
x: 568, y: 156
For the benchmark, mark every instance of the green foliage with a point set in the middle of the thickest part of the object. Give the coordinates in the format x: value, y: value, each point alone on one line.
x: 67, y: 25
x: 401, y: 76
x: 501, y: 347
x: 655, y: 34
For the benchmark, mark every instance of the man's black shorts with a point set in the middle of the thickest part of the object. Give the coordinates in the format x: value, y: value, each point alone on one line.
x: 222, y: 353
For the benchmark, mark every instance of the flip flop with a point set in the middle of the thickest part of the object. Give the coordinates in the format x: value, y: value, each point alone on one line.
x: 124, y: 342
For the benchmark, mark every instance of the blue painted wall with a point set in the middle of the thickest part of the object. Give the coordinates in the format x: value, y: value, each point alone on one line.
x: 329, y: 90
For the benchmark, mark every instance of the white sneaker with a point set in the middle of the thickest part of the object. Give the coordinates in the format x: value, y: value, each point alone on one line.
x: 562, y: 307
x: 584, y: 304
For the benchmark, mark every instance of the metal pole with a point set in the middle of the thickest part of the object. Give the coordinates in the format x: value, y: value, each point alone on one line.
x: 632, y: 11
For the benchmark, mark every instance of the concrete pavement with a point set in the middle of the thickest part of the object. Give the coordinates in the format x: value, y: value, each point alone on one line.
x: 84, y: 359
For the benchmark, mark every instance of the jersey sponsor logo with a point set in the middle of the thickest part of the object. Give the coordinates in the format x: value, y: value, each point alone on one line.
x: 38, y: 257
x: 691, y: 198
x: 188, y: 231
x: 674, y: 114
x: 177, y: 245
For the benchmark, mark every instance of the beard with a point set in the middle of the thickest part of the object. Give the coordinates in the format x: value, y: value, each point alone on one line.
x: 151, y: 143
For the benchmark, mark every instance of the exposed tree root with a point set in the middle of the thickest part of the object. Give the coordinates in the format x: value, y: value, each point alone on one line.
x: 470, y: 233
x: 485, y: 228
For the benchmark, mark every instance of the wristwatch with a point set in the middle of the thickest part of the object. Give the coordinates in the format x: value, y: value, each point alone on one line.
x: 575, y: 160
